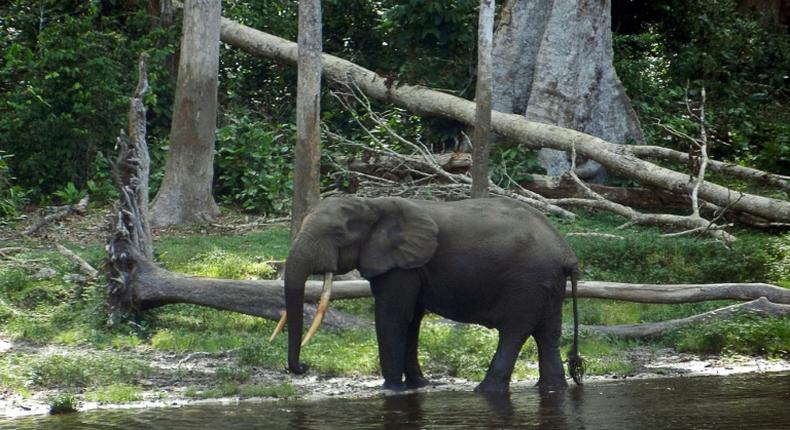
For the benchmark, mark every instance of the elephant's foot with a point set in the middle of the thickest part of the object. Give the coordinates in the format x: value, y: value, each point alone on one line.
x: 418, y: 382
x: 551, y: 384
x: 492, y: 387
x: 394, y: 386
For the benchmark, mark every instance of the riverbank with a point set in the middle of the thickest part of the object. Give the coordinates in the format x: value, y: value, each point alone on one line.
x: 178, y: 380
x: 57, y: 349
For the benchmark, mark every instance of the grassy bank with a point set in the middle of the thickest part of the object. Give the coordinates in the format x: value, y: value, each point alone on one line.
x: 44, y: 300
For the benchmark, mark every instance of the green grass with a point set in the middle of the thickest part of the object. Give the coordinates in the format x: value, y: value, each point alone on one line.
x: 20, y: 371
x: 115, y: 393
x: 55, y: 310
x: 213, y: 254
x: 280, y: 391
x: 745, y: 334
x: 232, y: 374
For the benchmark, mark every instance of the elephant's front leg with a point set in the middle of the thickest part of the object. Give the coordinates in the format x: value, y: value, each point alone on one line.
x: 395, y: 295
x: 414, y: 377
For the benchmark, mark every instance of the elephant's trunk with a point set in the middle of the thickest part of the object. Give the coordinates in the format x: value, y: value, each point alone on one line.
x: 303, y: 260
x: 296, y: 272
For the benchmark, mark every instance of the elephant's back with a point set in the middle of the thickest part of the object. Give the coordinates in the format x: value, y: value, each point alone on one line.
x: 497, y: 224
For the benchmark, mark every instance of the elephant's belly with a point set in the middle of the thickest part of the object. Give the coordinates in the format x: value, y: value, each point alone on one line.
x: 468, y: 308
x: 489, y: 296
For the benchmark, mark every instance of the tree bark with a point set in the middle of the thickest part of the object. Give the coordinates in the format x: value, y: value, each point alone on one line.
x: 185, y: 194
x: 482, y: 131
x: 639, y: 293
x: 307, y: 154
x: 424, y: 101
x: 397, y: 168
x: 554, y: 187
x: 761, y: 306
x: 554, y: 64
x: 152, y: 287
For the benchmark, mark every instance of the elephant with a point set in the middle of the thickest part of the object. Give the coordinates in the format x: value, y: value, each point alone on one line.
x: 495, y: 262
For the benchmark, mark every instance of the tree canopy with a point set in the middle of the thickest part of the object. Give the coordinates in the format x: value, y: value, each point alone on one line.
x: 65, y: 75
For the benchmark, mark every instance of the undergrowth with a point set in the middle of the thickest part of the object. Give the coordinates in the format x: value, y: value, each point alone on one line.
x: 54, y: 306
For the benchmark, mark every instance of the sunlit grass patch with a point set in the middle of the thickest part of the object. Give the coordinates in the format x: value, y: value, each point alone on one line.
x: 219, y: 263
x: 281, y: 391
x: 178, y: 253
x: 115, y: 393
x: 457, y: 350
x: 351, y: 352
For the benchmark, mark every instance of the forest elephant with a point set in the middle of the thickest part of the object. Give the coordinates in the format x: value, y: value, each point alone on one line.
x: 494, y: 262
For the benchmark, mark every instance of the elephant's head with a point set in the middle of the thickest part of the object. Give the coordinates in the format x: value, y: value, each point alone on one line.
x: 341, y: 234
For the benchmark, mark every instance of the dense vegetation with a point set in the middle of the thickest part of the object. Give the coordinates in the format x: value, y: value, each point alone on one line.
x: 68, y: 67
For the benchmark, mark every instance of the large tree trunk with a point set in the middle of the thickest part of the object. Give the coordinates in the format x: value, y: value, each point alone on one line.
x: 553, y: 62
x: 424, y: 101
x: 307, y: 154
x: 482, y: 132
x: 185, y: 195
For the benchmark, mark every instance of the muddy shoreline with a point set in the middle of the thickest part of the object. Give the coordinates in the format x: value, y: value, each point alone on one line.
x: 175, y: 374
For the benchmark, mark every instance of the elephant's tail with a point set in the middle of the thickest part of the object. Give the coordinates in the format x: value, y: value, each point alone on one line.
x: 575, y: 362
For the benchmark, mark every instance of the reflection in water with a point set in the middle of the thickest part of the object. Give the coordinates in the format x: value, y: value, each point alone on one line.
x: 753, y: 401
x: 402, y: 412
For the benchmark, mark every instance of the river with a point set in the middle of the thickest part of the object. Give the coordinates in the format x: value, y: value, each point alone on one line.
x: 734, y: 402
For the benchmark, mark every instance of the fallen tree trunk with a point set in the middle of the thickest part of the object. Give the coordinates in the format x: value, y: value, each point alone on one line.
x: 734, y: 170
x: 558, y: 187
x: 640, y: 293
x: 761, y: 306
x: 59, y: 213
x: 425, y: 101
x: 152, y: 286
x: 681, y: 293
x: 136, y: 284
x: 396, y: 168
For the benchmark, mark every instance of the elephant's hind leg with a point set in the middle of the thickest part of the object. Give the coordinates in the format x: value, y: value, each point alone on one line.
x: 501, y: 368
x: 547, y: 337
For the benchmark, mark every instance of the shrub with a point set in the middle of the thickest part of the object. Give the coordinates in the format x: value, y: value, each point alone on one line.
x: 254, y: 160
x: 746, y: 334
x: 62, y: 403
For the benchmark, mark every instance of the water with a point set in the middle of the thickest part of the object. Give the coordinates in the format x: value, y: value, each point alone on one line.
x: 734, y: 402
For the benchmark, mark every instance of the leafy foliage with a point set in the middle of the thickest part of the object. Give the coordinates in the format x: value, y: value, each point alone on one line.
x: 743, y: 335
x: 64, y: 80
x: 12, y: 197
x: 254, y: 161
x: 740, y: 61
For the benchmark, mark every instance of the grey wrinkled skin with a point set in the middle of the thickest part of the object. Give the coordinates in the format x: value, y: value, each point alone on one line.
x: 494, y: 262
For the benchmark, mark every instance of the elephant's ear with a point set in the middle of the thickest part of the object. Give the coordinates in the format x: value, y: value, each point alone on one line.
x: 405, y: 236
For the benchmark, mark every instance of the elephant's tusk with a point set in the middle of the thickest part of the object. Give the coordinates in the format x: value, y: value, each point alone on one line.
x: 323, y: 305
x: 280, y: 325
